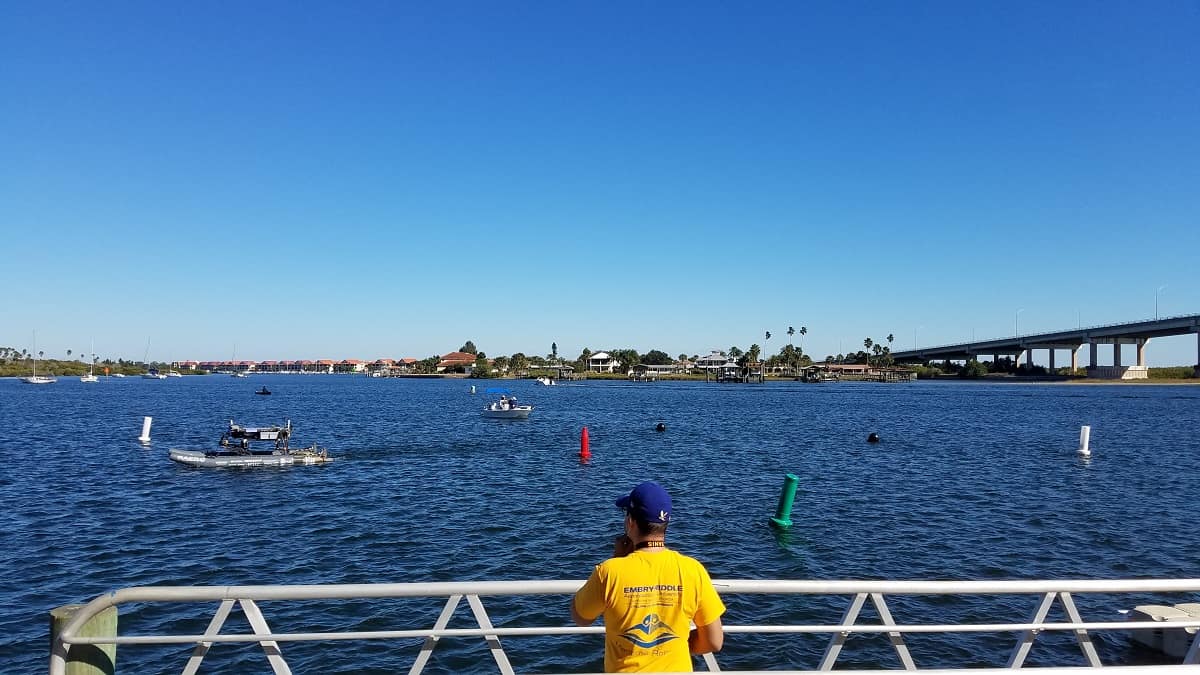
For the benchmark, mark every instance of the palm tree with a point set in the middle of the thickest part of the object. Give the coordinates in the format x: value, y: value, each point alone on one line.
x: 890, y: 337
x: 768, y: 337
x: 68, y: 353
x: 791, y: 331
x: 867, y: 343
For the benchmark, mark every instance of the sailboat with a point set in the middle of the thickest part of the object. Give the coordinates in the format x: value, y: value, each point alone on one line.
x: 91, y: 376
x: 152, y: 372
x: 35, y: 378
x: 237, y: 368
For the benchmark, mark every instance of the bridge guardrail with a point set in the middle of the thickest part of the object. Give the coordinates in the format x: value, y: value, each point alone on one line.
x: 1044, y: 333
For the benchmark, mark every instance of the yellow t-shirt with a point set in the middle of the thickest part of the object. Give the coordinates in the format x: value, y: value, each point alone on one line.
x: 648, y: 600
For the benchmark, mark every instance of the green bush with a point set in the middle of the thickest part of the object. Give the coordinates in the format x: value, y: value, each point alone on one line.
x: 927, y: 372
x: 973, y: 370
x: 1172, y: 373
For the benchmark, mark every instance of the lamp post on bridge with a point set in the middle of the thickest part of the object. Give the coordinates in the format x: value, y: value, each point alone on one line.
x: 1016, y: 317
x: 1156, y: 292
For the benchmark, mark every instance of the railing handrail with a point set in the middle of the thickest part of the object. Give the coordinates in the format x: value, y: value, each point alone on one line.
x: 473, y: 591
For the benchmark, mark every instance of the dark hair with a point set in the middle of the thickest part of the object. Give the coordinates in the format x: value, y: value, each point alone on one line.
x: 648, y: 529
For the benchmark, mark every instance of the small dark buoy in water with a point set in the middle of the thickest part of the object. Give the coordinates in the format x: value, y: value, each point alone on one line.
x: 872, y: 437
x: 660, y: 427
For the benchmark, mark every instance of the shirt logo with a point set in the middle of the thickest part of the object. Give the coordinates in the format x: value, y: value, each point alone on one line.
x: 651, y: 632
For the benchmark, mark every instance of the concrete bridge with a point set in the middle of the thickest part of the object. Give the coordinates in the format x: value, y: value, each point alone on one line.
x: 1021, y: 347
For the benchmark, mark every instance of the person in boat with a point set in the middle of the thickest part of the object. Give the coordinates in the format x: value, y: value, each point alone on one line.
x: 649, y: 594
x: 503, y: 402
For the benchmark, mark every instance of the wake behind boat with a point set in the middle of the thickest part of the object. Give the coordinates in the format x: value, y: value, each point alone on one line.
x: 506, y: 408
x: 236, y: 449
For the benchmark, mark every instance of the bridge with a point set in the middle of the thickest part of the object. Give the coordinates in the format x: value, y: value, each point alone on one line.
x: 1021, y: 347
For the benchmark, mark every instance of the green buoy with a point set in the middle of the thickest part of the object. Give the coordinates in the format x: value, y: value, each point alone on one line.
x: 783, y: 513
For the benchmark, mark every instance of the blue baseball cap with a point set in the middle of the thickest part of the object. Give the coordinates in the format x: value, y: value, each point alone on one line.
x: 649, y: 501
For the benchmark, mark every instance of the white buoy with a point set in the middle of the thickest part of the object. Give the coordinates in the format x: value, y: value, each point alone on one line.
x: 145, y: 437
x: 472, y: 389
x: 1085, y: 434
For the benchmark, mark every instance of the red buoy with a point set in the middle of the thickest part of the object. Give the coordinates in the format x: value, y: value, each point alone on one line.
x: 584, y: 451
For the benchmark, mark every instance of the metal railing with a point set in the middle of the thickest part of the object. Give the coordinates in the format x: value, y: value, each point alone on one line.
x: 1044, y: 595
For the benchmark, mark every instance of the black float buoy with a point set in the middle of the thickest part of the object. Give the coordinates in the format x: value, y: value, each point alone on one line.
x: 660, y: 427
x: 872, y: 437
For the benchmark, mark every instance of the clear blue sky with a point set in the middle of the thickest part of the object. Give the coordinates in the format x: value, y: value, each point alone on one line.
x: 357, y: 180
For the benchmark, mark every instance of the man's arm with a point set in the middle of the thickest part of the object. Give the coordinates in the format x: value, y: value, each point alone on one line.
x: 707, y: 638
x: 579, y: 618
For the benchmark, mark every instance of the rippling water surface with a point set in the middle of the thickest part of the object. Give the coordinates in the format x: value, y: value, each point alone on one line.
x: 971, y: 481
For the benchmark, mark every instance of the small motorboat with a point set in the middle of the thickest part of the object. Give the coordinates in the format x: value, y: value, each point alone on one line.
x: 236, y: 449
x: 263, y: 392
x: 545, y: 381
x: 506, y: 408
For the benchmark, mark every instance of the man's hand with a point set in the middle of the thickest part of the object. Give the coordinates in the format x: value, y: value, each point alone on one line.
x: 622, y: 546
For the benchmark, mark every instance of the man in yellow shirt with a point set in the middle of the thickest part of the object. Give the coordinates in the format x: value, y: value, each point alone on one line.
x: 650, y: 595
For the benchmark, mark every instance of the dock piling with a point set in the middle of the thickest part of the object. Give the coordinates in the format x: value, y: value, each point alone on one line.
x: 145, y: 437
x: 85, y: 659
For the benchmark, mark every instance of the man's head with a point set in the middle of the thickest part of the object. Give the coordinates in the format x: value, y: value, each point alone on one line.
x: 649, y: 506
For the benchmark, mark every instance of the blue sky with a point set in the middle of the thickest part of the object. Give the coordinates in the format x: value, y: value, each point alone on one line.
x: 304, y: 180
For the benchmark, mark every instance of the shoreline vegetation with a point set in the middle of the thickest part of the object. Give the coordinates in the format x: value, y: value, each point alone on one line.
x: 787, y: 365
x: 1169, y: 377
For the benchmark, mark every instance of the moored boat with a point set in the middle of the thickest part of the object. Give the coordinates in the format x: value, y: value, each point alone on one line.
x: 34, y: 378
x: 91, y: 374
x: 38, y: 379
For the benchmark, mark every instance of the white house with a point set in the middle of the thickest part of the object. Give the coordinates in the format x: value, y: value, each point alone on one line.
x: 714, y: 361
x: 601, y: 362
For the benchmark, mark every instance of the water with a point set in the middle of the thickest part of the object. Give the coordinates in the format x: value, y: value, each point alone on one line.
x: 970, y: 481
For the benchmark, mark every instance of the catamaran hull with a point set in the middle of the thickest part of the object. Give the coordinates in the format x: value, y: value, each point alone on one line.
x: 207, y: 460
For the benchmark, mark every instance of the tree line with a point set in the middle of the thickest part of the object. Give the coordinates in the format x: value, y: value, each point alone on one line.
x: 790, y: 356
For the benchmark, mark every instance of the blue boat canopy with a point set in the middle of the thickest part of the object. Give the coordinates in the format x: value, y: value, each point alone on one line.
x: 496, y: 390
